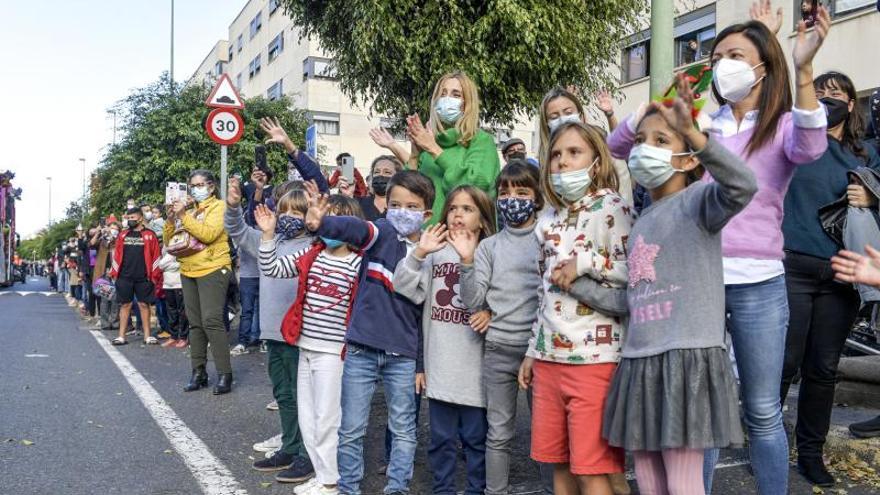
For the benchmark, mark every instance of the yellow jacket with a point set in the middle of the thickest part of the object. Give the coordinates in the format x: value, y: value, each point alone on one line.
x: 205, y: 223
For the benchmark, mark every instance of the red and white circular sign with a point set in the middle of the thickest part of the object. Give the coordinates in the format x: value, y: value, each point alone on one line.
x: 224, y: 126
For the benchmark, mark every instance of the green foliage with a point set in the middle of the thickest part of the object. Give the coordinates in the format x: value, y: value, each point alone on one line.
x: 48, y: 239
x: 391, y: 52
x: 164, y: 139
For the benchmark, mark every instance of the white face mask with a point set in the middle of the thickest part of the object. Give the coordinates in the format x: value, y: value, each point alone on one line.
x: 573, y: 185
x: 651, y: 166
x: 734, y: 79
x: 558, y: 121
x: 148, y: 215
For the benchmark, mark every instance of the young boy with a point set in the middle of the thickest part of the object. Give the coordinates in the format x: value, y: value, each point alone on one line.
x: 384, y: 334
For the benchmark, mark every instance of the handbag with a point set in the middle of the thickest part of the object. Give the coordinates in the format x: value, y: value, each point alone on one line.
x: 104, y: 287
x: 183, y: 244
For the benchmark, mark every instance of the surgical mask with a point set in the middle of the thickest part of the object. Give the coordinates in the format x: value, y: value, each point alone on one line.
x: 331, y: 243
x: 734, y: 79
x: 380, y: 185
x: 515, y: 211
x: 448, y: 109
x: 572, y: 186
x: 132, y: 224
x: 289, y: 227
x: 651, y: 166
x: 404, y: 221
x: 558, y: 121
x: 114, y: 234
x: 200, y: 193
x: 837, y: 111
x: 148, y: 215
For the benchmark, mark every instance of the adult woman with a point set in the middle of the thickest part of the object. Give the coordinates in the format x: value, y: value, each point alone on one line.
x: 205, y: 276
x: 821, y: 310
x: 383, y: 168
x: 758, y: 121
x: 453, y: 150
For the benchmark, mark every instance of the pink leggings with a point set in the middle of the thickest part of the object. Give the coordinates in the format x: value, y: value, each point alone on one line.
x: 670, y: 472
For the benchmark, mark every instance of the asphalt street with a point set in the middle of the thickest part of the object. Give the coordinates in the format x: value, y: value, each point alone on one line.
x: 72, y: 423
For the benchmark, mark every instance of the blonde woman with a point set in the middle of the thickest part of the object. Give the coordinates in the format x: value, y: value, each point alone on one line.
x: 452, y: 150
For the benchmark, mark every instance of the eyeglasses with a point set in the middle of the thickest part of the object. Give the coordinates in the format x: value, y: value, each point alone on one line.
x: 203, y: 184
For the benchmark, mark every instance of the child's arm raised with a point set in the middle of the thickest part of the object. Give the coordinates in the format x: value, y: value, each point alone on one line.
x: 413, y: 274
x: 270, y: 264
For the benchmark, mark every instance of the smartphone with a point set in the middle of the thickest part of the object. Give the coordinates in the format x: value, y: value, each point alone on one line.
x: 260, y: 158
x: 809, y: 11
x: 348, y: 168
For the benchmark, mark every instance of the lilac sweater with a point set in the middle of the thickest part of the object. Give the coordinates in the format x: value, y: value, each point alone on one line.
x: 757, y: 231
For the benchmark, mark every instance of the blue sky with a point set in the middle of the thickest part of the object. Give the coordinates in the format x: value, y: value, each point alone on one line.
x: 65, y: 62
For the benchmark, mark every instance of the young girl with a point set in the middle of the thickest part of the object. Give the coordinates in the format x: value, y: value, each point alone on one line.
x: 316, y: 322
x: 674, y: 394
x: 575, y: 347
x: 453, y: 340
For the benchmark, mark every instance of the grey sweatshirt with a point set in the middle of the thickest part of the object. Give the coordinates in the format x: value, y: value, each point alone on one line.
x: 276, y: 294
x: 676, y: 282
x: 505, y: 277
x: 453, y: 350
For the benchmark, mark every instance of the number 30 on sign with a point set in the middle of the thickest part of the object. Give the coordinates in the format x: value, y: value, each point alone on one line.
x: 224, y: 126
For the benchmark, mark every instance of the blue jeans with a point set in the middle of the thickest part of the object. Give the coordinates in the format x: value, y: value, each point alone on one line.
x: 363, y: 368
x: 249, y: 322
x: 452, y: 424
x: 162, y: 314
x: 757, y: 321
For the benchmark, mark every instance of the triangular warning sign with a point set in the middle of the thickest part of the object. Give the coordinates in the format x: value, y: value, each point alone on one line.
x: 224, y: 95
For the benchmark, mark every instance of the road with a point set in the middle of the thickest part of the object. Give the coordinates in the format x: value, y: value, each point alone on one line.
x: 78, y: 416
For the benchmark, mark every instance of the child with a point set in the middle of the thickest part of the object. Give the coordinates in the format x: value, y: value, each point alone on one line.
x: 327, y: 272
x: 177, y: 323
x: 453, y: 350
x: 384, y: 337
x: 674, y: 394
x: 574, y: 349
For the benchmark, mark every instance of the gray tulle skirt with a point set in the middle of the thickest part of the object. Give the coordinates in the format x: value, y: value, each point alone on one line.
x: 684, y: 398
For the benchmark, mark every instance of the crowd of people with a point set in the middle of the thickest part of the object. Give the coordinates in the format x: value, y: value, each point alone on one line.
x: 654, y: 287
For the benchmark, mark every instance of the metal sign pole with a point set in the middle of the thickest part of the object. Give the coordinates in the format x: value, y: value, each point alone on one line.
x: 223, y: 171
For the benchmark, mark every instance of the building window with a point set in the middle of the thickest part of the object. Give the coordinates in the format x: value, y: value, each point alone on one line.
x: 837, y: 8
x: 276, y: 46
x: 239, y: 43
x: 694, y: 47
x: 395, y: 126
x: 218, y: 68
x: 635, y: 62
x: 326, y: 123
x: 256, y: 24
x: 318, y: 68
x: 238, y: 81
x: 254, y: 67
x: 276, y: 90
x: 501, y: 136
x: 273, y: 6
x: 229, y: 58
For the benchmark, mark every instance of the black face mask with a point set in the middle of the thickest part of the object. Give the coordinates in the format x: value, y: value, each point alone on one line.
x: 132, y: 224
x: 838, y: 111
x: 516, y: 155
x: 380, y: 185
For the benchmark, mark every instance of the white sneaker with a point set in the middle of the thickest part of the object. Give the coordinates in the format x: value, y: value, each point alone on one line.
x: 306, y: 487
x: 272, y: 406
x: 273, y: 443
x: 319, y: 489
x: 271, y: 453
x: 238, y: 350
x: 263, y: 347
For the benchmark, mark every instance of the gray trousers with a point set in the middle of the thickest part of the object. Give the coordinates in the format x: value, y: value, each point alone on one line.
x: 500, y: 372
x: 109, y: 310
x: 204, y: 299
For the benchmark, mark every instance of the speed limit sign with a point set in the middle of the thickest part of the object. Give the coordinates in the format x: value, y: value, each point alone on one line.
x: 224, y: 126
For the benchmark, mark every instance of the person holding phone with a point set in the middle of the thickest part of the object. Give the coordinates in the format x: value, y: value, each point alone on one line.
x: 360, y: 186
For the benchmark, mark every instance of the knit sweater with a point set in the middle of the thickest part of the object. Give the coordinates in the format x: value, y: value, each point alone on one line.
x: 593, y: 231
x: 476, y: 165
x: 205, y: 223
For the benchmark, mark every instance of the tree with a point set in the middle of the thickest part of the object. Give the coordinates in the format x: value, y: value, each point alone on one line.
x: 391, y: 52
x: 164, y: 139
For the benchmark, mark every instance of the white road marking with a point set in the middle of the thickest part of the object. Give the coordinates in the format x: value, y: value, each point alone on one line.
x: 211, y: 474
x: 27, y: 292
x: 36, y: 355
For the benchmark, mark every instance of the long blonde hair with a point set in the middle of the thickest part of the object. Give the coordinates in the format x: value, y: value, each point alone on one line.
x: 544, y: 125
x: 603, y: 173
x: 469, y: 122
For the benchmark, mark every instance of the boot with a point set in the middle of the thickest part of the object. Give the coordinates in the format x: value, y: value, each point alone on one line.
x: 199, y: 379
x: 224, y: 384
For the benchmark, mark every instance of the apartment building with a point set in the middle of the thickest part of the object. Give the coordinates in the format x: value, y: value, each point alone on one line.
x: 264, y: 55
x: 850, y: 47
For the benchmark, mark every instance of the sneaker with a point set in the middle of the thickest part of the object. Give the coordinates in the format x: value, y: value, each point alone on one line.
x: 271, y: 444
x: 319, y: 489
x: 272, y: 406
x: 163, y: 335
x: 238, y: 350
x: 306, y: 487
x: 169, y: 343
x: 866, y: 429
x: 270, y: 453
x: 278, y: 462
x: 300, y: 470
x: 263, y: 347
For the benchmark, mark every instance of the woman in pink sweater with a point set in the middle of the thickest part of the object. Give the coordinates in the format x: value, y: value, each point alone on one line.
x: 758, y: 121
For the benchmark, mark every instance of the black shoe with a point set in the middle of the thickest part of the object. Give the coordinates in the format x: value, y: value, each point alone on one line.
x: 866, y: 429
x: 224, y: 384
x: 278, y: 462
x: 300, y: 470
x: 199, y: 379
x: 813, y: 469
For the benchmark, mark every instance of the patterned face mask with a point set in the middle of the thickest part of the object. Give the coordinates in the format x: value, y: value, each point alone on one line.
x: 405, y: 221
x: 515, y: 211
x: 289, y: 227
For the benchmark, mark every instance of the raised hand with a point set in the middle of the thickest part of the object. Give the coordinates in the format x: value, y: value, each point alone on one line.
x: 311, y: 190
x: 233, y: 193
x: 422, y: 136
x: 178, y: 207
x: 345, y: 188
x: 277, y: 135
x: 433, y: 239
x: 319, y: 205
x: 855, y: 268
x: 479, y: 321
x: 762, y: 11
x: 265, y: 219
x: 465, y: 244
x: 807, y: 44
x: 679, y: 113
x: 258, y: 177
x: 605, y: 102
x: 382, y: 137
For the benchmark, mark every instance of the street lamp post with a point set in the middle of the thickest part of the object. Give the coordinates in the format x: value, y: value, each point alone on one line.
x: 50, y: 199
x: 83, y: 213
x: 114, y: 125
x: 661, y: 63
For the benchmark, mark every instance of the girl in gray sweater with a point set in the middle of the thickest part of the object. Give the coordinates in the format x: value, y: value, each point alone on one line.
x: 673, y: 394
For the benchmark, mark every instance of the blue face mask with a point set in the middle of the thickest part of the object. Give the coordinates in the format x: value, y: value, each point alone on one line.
x: 515, y: 211
x: 289, y: 227
x: 331, y: 243
x: 448, y: 109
